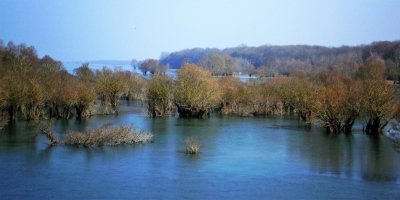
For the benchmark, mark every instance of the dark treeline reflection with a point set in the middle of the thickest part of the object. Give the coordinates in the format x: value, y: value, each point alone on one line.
x: 351, y: 156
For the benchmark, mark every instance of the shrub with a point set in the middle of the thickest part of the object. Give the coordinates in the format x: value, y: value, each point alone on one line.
x: 191, y: 146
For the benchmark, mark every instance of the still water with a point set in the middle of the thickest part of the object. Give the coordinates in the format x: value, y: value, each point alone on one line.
x: 241, y: 158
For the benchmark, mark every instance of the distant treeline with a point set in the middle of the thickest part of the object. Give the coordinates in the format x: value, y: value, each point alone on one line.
x: 286, y: 60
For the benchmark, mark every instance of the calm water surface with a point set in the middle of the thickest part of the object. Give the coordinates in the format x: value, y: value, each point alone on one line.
x: 241, y: 158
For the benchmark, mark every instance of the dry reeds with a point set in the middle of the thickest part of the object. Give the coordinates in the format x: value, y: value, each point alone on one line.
x: 45, y: 128
x: 192, y: 146
x: 108, y: 136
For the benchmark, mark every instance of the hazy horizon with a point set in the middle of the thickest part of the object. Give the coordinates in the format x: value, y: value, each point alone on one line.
x: 121, y: 30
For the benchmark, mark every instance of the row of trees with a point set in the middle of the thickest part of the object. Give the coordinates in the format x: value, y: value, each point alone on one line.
x: 35, y: 88
x: 329, y: 98
x: 152, y: 66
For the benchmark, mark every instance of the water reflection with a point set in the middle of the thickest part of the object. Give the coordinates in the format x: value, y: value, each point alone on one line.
x: 354, y: 156
x: 238, y: 157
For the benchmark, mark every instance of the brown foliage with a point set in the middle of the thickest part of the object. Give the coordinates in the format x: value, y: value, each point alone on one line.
x: 338, y: 102
x: 196, y: 92
x: 135, y: 85
x: 242, y: 99
x: 85, y: 97
x: 160, y: 96
x: 378, y: 104
x: 109, y: 87
x: 301, y: 94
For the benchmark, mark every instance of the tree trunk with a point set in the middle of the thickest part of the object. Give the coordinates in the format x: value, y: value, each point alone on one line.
x: 12, y: 112
x: 374, y: 126
x: 348, y: 126
x: 81, y: 111
x: 192, y: 113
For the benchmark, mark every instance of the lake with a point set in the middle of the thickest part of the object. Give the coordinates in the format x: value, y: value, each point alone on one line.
x: 240, y: 158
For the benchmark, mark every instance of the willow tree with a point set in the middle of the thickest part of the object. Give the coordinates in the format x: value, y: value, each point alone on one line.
x: 302, y: 95
x: 196, y: 92
x: 85, y: 74
x: 153, y: 66
x: 62, y: 95
x: 352, y: 104
x: 85, y: 97
x: 378, y: 104
x: 109, y: 87
x: 135, y: 84
x: 33, y: 106
x: 282, y: 87
x: 339, y: 101
x: 16, y: 94
x: 237, y: 97
x: 160, y: 96
x: 329, y: 112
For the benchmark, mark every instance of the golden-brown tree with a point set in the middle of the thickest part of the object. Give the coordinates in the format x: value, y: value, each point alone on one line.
x: 109, y: 87
x: 196, y: 92
x: 302, y: 96
x: 86, y: 96
x: 237, y: 97
x: 378, y: 104
x: 135, y: 86
x: 339, y: 104
x: 160, y: 96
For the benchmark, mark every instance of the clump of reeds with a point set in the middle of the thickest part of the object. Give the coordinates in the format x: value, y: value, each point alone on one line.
x: 192, y: 146
x: 45, y: 128
x: 108, y: 136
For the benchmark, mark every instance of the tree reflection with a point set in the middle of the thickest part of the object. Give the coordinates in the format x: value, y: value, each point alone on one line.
x: 354, y: 156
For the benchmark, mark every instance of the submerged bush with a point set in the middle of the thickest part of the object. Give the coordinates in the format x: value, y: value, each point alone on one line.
x: 108, y: 136
x: 103, y: 136
x: 45, y: 128
x: 192, y: 146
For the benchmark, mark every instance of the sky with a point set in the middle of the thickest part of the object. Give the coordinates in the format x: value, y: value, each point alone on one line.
x: 85, y: 30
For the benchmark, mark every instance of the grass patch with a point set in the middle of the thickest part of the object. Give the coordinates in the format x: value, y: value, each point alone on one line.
x: 192, y: 146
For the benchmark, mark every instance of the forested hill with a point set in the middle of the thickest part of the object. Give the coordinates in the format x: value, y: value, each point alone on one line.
x: 284, y: 58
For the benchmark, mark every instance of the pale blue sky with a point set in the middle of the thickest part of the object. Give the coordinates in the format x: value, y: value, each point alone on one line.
x: 82, y: 30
